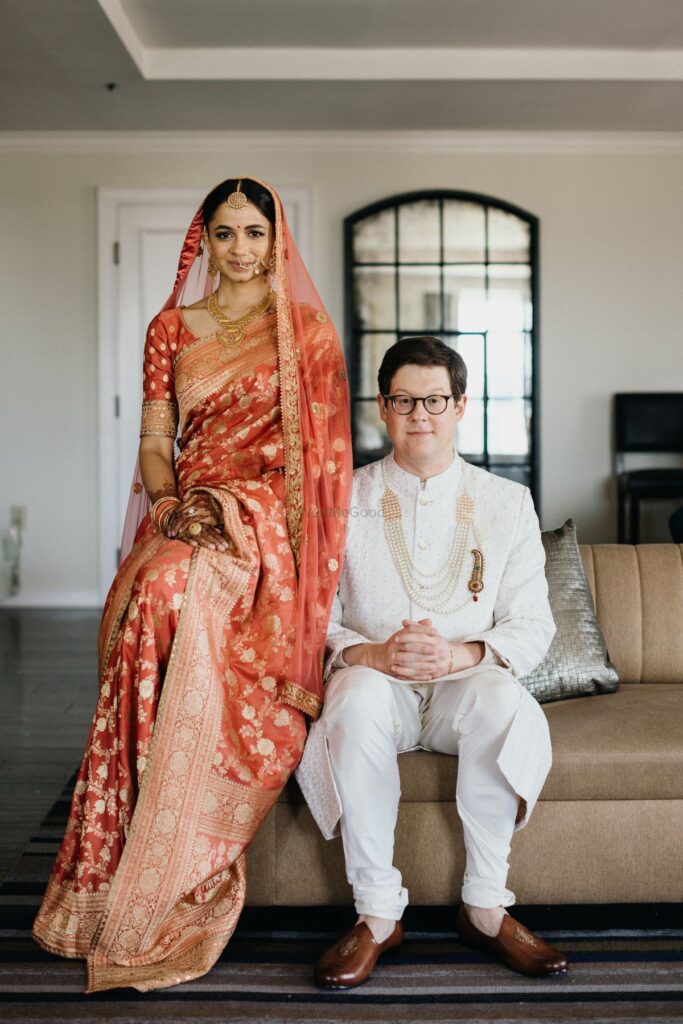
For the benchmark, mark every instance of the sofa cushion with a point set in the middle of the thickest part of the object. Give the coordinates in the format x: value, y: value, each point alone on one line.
x: 638, y: 592
x: 577, y: 663
x: 619, y: 746
x: 628, y: 747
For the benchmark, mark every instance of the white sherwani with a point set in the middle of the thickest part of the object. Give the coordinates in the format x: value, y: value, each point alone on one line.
x: 511, y: 615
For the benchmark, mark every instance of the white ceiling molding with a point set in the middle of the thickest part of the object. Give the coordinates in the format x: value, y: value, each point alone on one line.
x: 344, y: 142
x: 124, y: 29
x: 390, y: 64
x: 349, y: 65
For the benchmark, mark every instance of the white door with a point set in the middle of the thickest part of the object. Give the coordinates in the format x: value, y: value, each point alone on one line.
x: 141, y: 232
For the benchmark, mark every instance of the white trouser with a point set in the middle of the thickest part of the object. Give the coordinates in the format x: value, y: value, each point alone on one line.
x: 369, y: 719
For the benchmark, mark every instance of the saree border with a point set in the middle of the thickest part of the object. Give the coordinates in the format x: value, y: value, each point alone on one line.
x: 289, y: 394
x: 303, y: 700
x: 128, y: 946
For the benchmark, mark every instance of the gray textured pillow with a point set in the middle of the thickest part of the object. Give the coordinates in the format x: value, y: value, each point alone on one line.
x: 577, y: 664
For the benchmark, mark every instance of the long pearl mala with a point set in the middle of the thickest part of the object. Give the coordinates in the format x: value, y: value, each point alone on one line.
x: 433, y: 591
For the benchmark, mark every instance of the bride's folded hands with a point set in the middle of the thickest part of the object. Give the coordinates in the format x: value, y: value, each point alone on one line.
x: 197, y: 521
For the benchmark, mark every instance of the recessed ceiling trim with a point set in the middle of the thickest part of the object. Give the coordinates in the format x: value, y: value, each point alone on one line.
x: 125, y: 30
x: 627, y: 143
x: 390, y: 64
x: 349, y: 65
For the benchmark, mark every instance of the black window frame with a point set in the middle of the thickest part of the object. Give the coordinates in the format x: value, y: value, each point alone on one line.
x: 353, y: 330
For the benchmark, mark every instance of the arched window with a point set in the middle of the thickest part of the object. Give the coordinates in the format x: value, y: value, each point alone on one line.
x: 463, y: 267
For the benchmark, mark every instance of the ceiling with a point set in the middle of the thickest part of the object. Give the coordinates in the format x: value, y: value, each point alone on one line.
x: 475, y: 65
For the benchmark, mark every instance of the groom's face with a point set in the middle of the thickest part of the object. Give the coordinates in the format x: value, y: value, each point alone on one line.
x: 422, y: 437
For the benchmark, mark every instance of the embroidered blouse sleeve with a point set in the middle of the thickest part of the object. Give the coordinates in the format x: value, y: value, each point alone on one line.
x: 159, y: 406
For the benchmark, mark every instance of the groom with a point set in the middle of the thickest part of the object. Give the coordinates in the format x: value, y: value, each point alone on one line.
x: 442, y: 606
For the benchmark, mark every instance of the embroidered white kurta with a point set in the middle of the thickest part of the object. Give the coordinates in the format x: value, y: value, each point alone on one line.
x: 511, y: 616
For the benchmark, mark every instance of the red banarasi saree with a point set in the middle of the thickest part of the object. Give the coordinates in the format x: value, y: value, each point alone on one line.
x: 199, y: 723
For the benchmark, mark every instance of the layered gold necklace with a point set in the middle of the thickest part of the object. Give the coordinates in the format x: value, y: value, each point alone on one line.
x: 234, y: 331
x: 434, y: 591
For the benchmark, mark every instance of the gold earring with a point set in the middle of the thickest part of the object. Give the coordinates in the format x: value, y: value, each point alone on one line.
x: 213, y: 269
x: 271, y: 262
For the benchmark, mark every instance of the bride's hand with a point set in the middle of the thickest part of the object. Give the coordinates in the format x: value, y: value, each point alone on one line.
x: 197, y: 522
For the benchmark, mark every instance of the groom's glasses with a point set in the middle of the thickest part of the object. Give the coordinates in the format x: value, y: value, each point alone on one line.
x: 404, y: 404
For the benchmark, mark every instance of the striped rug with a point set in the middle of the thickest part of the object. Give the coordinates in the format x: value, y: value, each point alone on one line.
x: 627, y: 965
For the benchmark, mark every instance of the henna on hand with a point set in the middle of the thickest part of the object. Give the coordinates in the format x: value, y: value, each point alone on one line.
x: 196, y: 522
x: 194, y: 508
x: 205, y: 537
x: 167, y: 491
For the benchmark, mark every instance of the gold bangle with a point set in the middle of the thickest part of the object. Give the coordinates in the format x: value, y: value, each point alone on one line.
x: 164, y: 517
x: 452, y: 658
x: 161, y: 508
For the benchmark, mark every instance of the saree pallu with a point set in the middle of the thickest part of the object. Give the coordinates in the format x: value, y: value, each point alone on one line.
x: 192, y: 741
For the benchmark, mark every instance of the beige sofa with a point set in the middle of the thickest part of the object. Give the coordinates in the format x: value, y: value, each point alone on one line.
x: 609, y: 824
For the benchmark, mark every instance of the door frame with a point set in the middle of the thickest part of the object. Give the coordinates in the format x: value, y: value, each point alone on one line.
x: 297, y: 200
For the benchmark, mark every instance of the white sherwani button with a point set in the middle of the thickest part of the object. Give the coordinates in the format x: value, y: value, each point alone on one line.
x: 422, y: 544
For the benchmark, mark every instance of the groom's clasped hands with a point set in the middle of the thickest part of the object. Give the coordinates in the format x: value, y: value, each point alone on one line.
x: 419, y: 653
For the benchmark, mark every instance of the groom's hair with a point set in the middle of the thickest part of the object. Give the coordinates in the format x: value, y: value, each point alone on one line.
x: 423, y: 350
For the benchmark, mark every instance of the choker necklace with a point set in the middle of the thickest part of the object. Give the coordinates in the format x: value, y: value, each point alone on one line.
x: 233, y: 331
x: 434, y: 591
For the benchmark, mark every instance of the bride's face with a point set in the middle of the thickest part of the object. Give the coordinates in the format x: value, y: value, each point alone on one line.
x: 241, y: 242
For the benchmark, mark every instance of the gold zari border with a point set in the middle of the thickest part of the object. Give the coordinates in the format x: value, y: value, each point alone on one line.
x: 301, y: 699
x: 159, y: 419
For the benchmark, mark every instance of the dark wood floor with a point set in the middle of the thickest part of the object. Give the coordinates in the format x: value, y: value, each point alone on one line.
x: 48, y: 690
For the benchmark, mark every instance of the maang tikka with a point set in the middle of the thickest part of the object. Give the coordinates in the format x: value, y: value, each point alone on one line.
x: 237, y: 199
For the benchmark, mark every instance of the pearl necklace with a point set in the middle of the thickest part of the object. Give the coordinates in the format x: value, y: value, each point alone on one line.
x: 433, y: 591
x: 233, y: 331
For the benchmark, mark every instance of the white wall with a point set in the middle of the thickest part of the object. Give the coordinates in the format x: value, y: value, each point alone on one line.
x: 611, y: 301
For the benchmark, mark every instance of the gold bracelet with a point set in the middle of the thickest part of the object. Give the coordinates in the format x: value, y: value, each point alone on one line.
x: 452, y: 658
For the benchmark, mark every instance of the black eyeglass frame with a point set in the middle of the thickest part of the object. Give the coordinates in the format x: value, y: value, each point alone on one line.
x: 415, y: 400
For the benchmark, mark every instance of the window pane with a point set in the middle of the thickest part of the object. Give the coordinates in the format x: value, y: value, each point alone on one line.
x: 507, y: 364
x: 508, y: 427
x: 419, y: 300
x: 375, y: 300
x: 465, y: 298
x: 509, y: 298
x: 464, y: 232
x: 521, y: 474
x: 418, y: 232
x: 469, y: 436
x: 471, y: 348
x: 372, y: 349
x: 509, y: 236
x: 374, y: 238
x: 370, y: 433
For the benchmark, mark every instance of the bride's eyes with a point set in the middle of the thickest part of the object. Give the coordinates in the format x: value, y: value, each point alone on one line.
x: 223, y: 235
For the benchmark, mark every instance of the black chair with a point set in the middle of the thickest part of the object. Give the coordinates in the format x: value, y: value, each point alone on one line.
x: 646, y: 422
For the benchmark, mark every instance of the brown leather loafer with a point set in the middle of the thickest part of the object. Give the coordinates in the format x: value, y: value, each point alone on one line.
x: 351, y: 960
x: 515, y: 945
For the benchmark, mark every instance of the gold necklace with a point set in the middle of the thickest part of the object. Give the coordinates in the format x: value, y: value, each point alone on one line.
x: 433, y: 591
x: 233, y: 331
